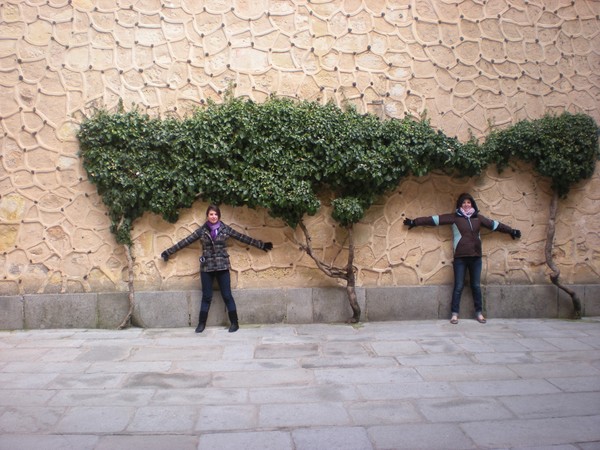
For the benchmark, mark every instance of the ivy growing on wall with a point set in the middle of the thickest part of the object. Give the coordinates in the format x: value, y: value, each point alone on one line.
x: 281, y: 154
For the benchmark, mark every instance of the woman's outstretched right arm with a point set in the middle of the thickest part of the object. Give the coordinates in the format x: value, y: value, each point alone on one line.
x: 181, y: 244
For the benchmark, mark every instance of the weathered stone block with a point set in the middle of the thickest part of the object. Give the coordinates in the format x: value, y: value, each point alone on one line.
x: 299, y: 305
x: 523, y: 302
x: 332, y: 305
x: 161, y: 310
x: 112, y: 308
x: 11, y: 313
x: 60, y: 311
x: 261, y: 305
x: 402, y: 303
x: 591, y: 300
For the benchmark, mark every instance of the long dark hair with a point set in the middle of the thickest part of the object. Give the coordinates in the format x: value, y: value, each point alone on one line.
x: 214, y: 208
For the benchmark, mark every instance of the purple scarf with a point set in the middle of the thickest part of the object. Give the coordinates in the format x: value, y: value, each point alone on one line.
x: 214, y: 228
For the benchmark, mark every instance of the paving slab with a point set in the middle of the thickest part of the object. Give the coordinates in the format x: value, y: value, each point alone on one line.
x: 511, y: 383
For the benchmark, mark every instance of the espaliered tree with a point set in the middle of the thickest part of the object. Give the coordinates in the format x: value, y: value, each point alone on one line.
x: 562, y: 148
x: 280, y: 155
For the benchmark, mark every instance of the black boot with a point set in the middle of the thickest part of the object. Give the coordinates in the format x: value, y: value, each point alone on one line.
x: 233, y: 318
x: 202, y: 322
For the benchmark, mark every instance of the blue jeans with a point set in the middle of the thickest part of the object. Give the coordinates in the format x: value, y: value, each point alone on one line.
x: 461, y: 265
x: 224, y: 280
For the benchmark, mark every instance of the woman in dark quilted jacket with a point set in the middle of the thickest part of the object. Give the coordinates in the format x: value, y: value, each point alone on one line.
x: 466, y: 226
x: 214, y: 262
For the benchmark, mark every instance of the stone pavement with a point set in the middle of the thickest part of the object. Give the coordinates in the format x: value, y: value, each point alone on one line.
x: 529, y: 383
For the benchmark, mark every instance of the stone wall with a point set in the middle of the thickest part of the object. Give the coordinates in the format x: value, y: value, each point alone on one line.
x: 467, y: 64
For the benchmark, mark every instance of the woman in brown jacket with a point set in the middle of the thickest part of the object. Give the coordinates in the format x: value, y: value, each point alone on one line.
x: 466, y: 225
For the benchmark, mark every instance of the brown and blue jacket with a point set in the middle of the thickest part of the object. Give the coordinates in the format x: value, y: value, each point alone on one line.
x: 465, y: 230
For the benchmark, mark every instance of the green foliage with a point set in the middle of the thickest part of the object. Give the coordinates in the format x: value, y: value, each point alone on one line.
x: 281, y: 154
x: 563, y: 148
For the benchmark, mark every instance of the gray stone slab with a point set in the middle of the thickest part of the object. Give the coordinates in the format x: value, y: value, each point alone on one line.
x: 591, y: 300
x: 261, y: 378
x: 303, y: 415
x: 300, y: 350
x: 554, y: 370
x: 25, y: 397
x: 419, y: 436
x: 402, y: 303
x: 462, y: 409
x: 232, y: 366
x: 47, y: 442
x: 261, y: 305
x: 331, y: 305
x: 146, y: 442
x: 164, y: 419
x: 158, y: 380
x: 205, y: 396
x: 260, y: 440
x: 397, y: 348
x: 466, y: 372
x: 11, y: 312
x: 86, y: 381
x: 577, y: 384
x: 508, y: 301
x: 292, y: 386
x: 60, y: 311
x: 299, y: 305
x: 161, y: 310
x: 501, y: 388
x: 95, y: 419
x: 402, y: 391
x: 436, y: 359
x: 535, y: 432
x: 101, y: 397
x: 18, y: 380
x: 554, y: 405
x: 29, y: 419
x: 227, y: 417
x: 375, y: 375
x: 347, y: 362
x: 112, y: 309
x: 383, y: 412
x: 308, y: 394
x: 332, y: 438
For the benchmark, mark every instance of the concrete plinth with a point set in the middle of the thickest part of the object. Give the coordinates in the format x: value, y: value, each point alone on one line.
x: 176, y: 309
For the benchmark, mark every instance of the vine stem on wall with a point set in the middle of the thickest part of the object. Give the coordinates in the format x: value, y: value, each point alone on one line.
x: 555, y: 275
x: 127, y: 320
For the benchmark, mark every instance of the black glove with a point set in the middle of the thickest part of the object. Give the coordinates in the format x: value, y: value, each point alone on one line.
x: 515, y: 234
x: 410, y: 223
x: 165, y: 256
x: 268, y: 246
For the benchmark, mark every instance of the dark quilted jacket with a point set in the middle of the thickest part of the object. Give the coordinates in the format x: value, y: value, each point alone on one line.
x: 214, y: 252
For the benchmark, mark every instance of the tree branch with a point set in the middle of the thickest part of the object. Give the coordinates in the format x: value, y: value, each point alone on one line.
x: 329, y: 270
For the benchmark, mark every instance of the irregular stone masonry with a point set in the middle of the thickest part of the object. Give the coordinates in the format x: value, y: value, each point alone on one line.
x: 465, y: 64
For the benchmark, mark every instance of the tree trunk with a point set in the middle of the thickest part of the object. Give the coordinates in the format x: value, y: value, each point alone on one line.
x: 351, y: 279
x: 555, y: 275
x: 127, y: 320
x: 346, y: 273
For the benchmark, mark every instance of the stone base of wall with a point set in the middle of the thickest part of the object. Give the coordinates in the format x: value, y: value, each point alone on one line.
x: 311, y: 305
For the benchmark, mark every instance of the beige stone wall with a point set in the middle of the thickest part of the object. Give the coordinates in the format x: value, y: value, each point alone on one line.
x: 467, y: 64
